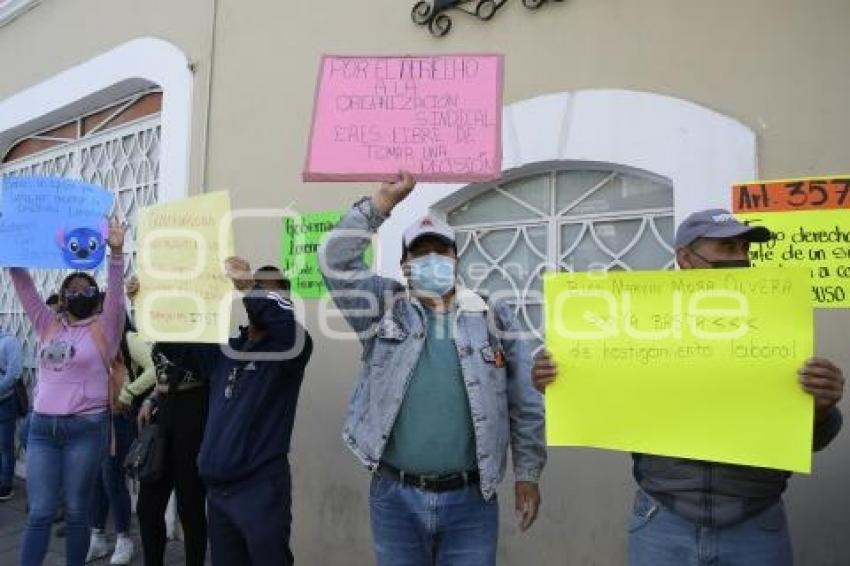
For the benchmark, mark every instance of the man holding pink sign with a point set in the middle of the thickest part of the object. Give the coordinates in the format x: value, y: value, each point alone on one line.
x: 444, y: 389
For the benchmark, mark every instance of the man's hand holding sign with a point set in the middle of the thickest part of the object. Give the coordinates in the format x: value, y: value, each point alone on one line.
x: 719, y: 425
x: 825, y: 382
x: 714, y: 239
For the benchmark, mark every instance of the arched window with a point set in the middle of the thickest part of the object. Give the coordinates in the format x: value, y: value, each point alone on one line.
x: 565, y: 218
x: 116, y: 147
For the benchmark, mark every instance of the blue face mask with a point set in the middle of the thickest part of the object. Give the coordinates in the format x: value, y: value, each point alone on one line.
x: 433, y: 274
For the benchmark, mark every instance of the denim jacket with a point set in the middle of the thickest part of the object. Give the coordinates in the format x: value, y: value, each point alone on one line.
x: 505, y: 406
x: 11, y: 364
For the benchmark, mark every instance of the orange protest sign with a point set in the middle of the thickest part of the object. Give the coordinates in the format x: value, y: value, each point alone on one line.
x: 816, y: 193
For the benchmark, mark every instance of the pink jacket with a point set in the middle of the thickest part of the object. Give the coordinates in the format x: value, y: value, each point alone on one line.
x: 72, y: 377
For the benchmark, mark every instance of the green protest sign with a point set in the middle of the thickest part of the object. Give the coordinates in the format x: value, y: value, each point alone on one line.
x: 302, y: 236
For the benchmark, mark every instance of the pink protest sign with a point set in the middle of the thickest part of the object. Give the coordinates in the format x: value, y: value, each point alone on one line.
x: 439, y: 117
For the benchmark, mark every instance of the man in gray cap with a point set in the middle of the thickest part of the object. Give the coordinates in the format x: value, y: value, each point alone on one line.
x: 444, y: 386
x: 689, y: 512
x: 715, y: 238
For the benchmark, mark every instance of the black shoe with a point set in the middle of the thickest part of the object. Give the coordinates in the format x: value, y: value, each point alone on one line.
x: 6, y: 493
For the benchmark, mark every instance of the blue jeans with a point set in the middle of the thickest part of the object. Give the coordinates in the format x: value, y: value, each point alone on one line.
x: 63, y: 457
x: 413, y: 527
x: 24, y: 430
x: 8, y: 413
x: 111, y: 489
x: 659, y: 537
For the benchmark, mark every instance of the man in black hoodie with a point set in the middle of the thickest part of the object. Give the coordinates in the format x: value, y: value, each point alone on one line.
x: 254, y: 387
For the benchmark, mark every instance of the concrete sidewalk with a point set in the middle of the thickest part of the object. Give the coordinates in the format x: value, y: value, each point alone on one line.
x: 13, y: 518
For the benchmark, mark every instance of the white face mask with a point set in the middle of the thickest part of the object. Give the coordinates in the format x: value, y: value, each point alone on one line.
x: 432, y: 274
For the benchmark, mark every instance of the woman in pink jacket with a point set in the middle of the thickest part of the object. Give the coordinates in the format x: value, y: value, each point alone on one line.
x: 68, y: 436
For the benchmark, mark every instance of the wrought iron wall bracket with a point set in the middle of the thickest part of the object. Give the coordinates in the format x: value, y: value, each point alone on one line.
x: 433, y: 13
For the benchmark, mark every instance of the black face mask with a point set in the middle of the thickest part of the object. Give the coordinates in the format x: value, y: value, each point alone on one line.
x: 730, y: 263
x: 81, y: 306
x: 723, y: 263
x: 255, y: 307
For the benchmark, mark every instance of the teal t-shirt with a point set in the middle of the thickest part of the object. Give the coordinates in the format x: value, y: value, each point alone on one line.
x: 433, y: 431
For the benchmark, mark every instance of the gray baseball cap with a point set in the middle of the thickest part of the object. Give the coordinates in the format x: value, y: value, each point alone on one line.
x: 717, y: 223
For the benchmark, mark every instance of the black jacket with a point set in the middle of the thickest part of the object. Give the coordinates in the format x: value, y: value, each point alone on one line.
x: 253, y: 390
x: 719, y: 495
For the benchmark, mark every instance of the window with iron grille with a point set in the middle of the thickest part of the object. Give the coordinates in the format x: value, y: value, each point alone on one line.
x: 11, y: 9
x: 565, y: 219
x: 117, y: 148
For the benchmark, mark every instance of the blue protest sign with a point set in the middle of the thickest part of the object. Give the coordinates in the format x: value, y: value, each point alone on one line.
x: 53, y: 223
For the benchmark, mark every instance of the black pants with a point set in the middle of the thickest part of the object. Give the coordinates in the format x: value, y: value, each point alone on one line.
x: 250, y: 520
x: 182, y: 417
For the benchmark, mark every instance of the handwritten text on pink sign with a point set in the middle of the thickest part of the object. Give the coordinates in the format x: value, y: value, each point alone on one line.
x: 438, y: 117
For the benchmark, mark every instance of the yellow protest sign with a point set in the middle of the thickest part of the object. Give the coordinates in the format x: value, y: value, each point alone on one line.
x: 185, y: 295
x: 810, y: 221
x: 817, y: 240
x: 698, y: 364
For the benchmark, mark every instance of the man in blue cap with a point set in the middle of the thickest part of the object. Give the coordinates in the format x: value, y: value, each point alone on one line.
x: 689, y: 512
x: 715, y: 238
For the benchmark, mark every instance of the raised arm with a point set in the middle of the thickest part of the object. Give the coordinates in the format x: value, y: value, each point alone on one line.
x: 358, y: 293
x: 112, y: 319
x: 272, y: 312
x: 39, y: 314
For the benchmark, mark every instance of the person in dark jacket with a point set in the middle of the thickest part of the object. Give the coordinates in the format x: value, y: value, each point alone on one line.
x: 11, y: 368
x: 271, y: 278
x: 178, y: 406
x: 254, y: 386
x: 694, y: 512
